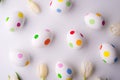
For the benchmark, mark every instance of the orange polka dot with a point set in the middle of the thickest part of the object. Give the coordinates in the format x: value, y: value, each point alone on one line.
x: 69, y: 79
x: 47, y: 41
x: 27, y: 63
x: 98, y: 14
x: 79, y: 42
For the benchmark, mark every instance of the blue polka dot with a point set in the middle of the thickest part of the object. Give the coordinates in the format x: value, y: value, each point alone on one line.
x: 116, y: 59
x: 113, y: 46
x: 59, y: 10
x: 69, y: 71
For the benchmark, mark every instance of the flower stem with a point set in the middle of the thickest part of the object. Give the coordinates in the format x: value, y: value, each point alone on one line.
x: 42, y: 78
x: 85, y: 77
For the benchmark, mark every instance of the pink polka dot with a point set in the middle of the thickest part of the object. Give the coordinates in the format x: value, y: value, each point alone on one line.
x: 60, y: 65
x: 18, y: 24
x: 20, y: 56
x: 87, y: 14
x: 50, y: 3
x: 47, y: 30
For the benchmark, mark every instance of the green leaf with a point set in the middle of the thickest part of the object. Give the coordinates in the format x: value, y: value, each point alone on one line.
x: 18, y: 76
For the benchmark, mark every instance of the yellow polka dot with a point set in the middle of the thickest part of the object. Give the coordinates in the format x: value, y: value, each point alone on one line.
x: 106, y: 53
x: 79, y: 42
x: 69, y: 79
x: 60, y: 0
x: 98, y: 14
x: 20, y: 15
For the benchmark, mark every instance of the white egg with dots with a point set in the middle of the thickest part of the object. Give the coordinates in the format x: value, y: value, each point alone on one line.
x: 63, y: 71
x: 42, y: 39
x: 108, y: 53
x: 60, y: 6
x: 94, y: 21
x: 16, y: 21
x: 75, y: 39
x: 19, y: 58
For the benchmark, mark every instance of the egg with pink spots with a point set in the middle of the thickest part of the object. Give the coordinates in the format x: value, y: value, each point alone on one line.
x: 42, y: 39
x: 19, y: 58
x: 60, y: 6
x: 75, y: 39
x: 15, y: 21
x: 63, y: 71
x: 108, y: 53
x: 94, y: 21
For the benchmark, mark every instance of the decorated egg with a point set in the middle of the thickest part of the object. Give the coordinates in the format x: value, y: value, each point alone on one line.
x: 15, y: 21
x: 108, y: 53
x: 60, y: 6
x: 75, y: 39
x: 19, y: 58
x: 94, y: 20
x: 63, y: 71
x: 42, y: 38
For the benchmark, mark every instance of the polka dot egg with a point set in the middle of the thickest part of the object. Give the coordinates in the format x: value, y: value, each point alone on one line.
x: 42, y: 38
x: 63, y: 71
x: 75, y: 39
x: 108, y: 53
x: 60, y: 6
x: 94, y: 21
x: 19, y: 58
x: 16, y: 21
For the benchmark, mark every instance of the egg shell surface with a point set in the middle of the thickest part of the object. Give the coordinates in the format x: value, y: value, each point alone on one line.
x: 19, y: 58
x: 108, y: 53
x: 15, y: 21
x: 75, y: 39
x: 42, y: 38
x: 94, y: 21
x: 60, y: 6
x: 63, y: 71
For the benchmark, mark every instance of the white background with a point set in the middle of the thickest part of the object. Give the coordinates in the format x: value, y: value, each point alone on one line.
x: 58, y: 50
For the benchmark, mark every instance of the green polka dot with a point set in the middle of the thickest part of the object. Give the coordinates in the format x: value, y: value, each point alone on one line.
x: 36, y: 36
x: 7, y: 19
x: 92, y: 21
x: 104, y: 61
x: 59, y: 76
x: 12, y: 29
x: 71, y: 45
x: 68, y: 3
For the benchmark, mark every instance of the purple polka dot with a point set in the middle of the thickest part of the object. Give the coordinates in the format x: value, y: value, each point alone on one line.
x: 47, y: 30
x: 87, y: 14
x: 103, y: 23
x: 81, y: 35
x: 18, y: 24
x: 60, y: 65
x: 20, y: 56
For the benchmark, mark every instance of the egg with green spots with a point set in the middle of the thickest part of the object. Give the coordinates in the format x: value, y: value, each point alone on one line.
x: 60, y: 6
x: 15, y: 21
x: 108, y: 53
x: 75, y: 39
x: 19, y: 58
x: 94, y: 21
x: 42, y: 39
x: 63, y: 71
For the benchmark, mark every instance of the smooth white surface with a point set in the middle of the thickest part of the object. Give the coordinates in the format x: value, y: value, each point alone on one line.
x: 59, y: 50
